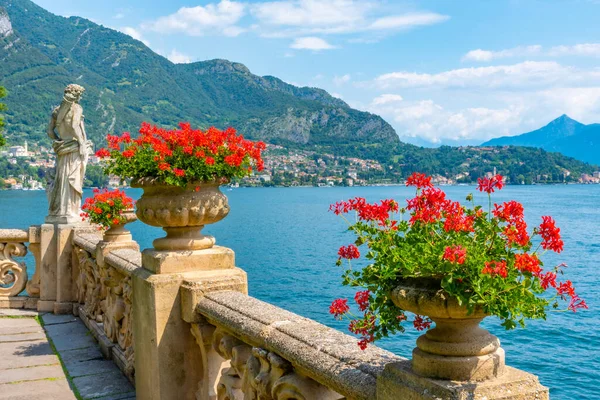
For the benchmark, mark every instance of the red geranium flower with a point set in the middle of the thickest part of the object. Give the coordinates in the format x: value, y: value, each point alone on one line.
x: 349, y: 252
x: 339, y: 307
x: 455, y: 254
x: 488, y: 185
x: 550, y: 235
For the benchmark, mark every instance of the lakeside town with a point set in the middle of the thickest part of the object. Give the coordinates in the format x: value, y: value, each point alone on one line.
x: 283, y: 167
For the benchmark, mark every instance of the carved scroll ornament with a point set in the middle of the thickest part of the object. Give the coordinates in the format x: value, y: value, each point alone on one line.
x: 13, y: 274
x: 257, y: 374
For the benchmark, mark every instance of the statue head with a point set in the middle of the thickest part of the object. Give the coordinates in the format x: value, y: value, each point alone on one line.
x: 73, y: 92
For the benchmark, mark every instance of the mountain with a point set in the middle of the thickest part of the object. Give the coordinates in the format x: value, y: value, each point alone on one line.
x: 563, y: 135
x: 127, y: 83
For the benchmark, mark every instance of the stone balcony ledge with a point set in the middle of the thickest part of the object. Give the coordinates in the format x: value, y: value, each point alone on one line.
x: 324, y: 354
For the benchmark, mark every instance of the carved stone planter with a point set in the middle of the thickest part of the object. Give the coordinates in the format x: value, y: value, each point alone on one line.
x: 457, y: 348
x: 118, y: 233
x: 181, y: 212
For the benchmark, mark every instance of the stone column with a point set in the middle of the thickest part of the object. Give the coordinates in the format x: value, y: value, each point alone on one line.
x: 168, y: 361
x: 56, y: 267
x: 47, y: 268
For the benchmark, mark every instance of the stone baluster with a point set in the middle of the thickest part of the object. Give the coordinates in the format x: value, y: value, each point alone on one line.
x: 14, y: 278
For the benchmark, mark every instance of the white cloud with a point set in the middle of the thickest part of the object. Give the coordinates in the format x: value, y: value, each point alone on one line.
x: 583, y: 49
x: 427, y: 120
x: 134, y: 33
x: 119, y: 16
x: 294, y: 19
x: 311, y: 43
x: 525, y: 74
x: 179, y: 58
x: 311, y: 12
x: 214, y: 18
x: 407, y: 21
x: 291, y: 18
x: 386, y: 99
x: 341, y: 80
x: 486, y: 55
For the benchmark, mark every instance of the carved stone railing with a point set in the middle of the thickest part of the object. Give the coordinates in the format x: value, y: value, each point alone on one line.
x: 14, y: 279
x: 254, y: 350
x: 104, y: 294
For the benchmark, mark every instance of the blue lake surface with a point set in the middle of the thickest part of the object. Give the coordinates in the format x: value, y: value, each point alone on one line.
x: 286, y: 240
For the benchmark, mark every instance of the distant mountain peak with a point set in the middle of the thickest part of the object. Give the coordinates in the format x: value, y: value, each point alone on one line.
x: 563, y: 134
x: 564, y: 119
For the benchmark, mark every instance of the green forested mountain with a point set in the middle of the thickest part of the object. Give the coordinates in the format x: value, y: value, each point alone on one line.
x: 127, y: 83
x: 564, y: 135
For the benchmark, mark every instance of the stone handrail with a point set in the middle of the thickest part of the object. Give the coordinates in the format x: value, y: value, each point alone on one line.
x: 14, y: 279
x: 275, y: 354
x: 104, y: 292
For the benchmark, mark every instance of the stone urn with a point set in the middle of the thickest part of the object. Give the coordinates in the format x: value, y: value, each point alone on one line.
x: 118, y: 233
x: 457, y: 348
x: 181, y: 211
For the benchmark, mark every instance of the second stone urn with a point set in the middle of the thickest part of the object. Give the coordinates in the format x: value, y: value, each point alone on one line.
x: 118, y: 233
x: 181, y: 211
x: 457, y: 348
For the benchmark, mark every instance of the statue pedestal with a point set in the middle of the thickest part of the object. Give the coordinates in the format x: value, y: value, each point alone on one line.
x: 65, y: 220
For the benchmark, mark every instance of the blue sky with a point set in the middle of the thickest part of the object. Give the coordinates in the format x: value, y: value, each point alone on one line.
x: 454, y: 72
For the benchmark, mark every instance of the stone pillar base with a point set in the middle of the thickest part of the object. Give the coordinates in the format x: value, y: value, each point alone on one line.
x: 45, y: 305
x: 398, y: 381
x: 63, y: 307
x: 168, y: 262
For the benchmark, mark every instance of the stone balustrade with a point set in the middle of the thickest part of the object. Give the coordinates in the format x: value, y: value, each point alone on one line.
x: 14, y: 279
x: 104, y: 294
x: 254, y: 350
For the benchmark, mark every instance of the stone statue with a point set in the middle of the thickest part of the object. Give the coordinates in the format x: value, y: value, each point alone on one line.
x: 72, y: 149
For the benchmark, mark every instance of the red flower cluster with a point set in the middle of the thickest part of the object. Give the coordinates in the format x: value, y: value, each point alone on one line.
x: 349, y: 252
x: 548, y: 279
x: 186, y: 154
x: 418, y: 180
x: 339, y: 307
x: 427, y: 206
x: 550, y: 235
x: 516, y: 229
x: 455, y: 254
x: 366, y: 212
x: 489, y: 185
x: 363, y: 327
x: 362, y: 299
x: 106, y: 206
x: 421, y: 323
x: 495, y: 268
x: 528, y: 263
x: 456, y: 219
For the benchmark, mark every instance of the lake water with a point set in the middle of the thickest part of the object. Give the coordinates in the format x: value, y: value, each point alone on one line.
x: 286, y: 240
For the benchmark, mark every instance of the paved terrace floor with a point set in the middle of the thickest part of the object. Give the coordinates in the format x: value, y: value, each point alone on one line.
x: 57, y: 361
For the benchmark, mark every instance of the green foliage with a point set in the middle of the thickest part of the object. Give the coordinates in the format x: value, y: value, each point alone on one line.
x: 2, y: 108
x: 517, y: 164
x: 95, y: 177
x: 485, y: 260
